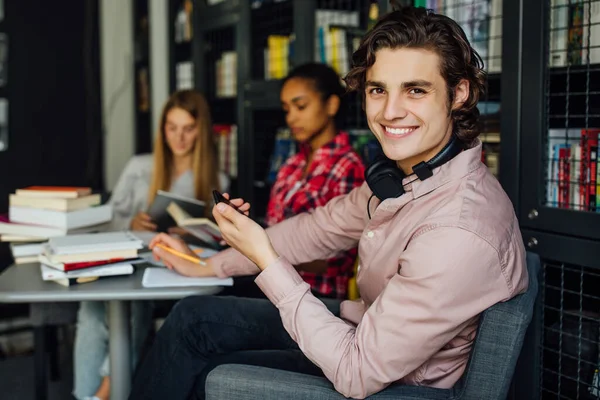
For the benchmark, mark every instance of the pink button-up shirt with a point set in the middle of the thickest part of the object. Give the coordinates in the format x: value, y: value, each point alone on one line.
x: 430, y: 262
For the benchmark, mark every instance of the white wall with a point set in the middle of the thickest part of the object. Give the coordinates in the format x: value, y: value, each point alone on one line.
x: 159, y: 58
x: 116, y: 52
x: 118, y: 81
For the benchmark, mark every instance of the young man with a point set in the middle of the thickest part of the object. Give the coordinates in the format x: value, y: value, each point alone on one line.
x: 432, y: 258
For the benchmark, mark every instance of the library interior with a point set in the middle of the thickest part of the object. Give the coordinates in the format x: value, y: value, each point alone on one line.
x: 152, y: 119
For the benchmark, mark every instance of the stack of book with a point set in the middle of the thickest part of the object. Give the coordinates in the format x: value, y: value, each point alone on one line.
x: 74, y: 259
x: 37, y: 213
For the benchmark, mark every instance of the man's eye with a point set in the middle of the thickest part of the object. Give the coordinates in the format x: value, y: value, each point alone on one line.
x: 376, y: 91
x: 417, y: 91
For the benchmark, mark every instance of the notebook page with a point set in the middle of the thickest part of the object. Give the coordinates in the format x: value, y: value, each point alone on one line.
x: 162, y: 277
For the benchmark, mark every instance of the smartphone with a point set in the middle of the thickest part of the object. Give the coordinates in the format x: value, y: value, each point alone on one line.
x: 219, y: 198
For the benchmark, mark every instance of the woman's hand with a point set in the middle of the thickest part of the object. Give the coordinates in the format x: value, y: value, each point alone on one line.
x: 178, y: 264
x: 142, y: 222
x: 243, y: 234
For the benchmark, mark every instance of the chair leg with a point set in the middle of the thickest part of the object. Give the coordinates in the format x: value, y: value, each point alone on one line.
x: 52, y: 347
x: 41, y: 383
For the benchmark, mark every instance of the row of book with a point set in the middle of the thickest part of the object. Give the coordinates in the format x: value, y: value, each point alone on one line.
x: 574, y: 24
x: 337, y: 35
x: 227, y: 140
x: 53, y: 225
x: 226, y: 75
x: 37, y: 213
x: 76, y: 259
x: 572, y: 169
x: 482, y: 23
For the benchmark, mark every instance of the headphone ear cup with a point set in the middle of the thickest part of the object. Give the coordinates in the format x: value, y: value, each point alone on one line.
x: 384, y: 178
x: 380, y: 162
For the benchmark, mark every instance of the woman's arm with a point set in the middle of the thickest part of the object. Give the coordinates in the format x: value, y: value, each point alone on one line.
x: 126, y: 202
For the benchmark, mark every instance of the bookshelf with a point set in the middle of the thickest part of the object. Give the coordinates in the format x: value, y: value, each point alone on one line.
x: 220, y: 54
x: 560, y: 118
x: 181, y: 34
x: 141, y: 70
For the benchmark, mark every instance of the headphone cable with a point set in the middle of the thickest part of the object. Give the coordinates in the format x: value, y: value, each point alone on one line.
x: 373, y: 195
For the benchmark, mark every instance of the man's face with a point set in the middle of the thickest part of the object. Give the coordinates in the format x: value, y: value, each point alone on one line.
x: 407, y: 106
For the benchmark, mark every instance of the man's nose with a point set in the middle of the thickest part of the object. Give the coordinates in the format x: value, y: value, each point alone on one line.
x: 395, y: 107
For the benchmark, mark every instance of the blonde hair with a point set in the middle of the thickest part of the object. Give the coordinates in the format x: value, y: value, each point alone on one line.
x: 204, y: 161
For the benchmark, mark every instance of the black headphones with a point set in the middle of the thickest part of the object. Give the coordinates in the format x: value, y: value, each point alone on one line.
x: 384, y: 177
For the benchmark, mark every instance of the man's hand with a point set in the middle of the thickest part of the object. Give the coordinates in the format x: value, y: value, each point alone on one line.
x: 245, y: 235
x: 178, y: 264
x: 142, y: 222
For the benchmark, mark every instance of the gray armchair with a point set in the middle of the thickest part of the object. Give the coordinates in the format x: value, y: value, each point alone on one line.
x: 488, y: 374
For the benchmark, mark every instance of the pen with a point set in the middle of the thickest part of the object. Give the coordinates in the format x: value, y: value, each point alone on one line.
x: 179, y: 254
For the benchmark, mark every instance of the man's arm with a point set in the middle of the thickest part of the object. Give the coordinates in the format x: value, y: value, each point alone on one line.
x: 315, y: 235
x: 437, y: 293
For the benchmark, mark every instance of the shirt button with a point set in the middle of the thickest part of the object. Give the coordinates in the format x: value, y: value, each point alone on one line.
x: 370, y: 234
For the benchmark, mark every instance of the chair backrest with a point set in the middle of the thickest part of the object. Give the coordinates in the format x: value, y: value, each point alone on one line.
x: 498, y: 342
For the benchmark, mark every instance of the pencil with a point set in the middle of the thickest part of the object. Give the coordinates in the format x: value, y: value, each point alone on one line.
x: 179, y: 254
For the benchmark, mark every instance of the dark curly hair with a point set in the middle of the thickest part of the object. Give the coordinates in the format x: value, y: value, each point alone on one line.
x: 417, y: 27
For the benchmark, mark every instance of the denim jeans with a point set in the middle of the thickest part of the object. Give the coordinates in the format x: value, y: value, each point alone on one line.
x: 91, y: 362
x: 202, y: 332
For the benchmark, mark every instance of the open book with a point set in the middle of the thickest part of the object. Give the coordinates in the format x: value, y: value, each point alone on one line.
x: 158, y: 209
x: 202, y: 228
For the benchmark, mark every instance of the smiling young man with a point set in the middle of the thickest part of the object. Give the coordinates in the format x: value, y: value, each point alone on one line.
x: 433, y: 257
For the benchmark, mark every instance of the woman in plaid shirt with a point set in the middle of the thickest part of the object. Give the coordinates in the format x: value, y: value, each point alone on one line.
x: 325, y: 166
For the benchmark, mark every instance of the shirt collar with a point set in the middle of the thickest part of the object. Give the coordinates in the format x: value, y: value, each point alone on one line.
x: 465, y: 162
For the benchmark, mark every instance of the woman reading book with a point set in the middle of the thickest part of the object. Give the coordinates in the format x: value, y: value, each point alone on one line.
x: 183, y: 163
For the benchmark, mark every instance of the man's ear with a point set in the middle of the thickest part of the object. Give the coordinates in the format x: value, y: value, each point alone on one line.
x: 461, y: 94
x: 332, y: 105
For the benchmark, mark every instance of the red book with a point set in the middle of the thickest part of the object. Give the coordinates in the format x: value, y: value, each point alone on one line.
x: 587, y: 173
x: 66, y: 267
x: 68, y: 192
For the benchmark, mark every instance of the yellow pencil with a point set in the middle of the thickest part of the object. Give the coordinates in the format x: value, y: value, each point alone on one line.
x: 179, y: 254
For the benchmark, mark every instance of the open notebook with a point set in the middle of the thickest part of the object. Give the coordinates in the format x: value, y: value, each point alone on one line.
x: 162, y: 277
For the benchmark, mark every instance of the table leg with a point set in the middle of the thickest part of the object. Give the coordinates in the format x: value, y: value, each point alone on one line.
x: 120, y: 349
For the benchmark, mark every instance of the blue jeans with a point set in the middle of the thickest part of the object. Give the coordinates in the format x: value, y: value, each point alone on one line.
x: 202, y: 332
x: 91, y: 362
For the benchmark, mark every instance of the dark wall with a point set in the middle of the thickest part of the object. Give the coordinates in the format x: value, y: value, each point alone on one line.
x: 54, y: 95
x: 53, y: 91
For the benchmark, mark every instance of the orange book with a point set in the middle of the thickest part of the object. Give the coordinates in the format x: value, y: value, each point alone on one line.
x: 64, y: 192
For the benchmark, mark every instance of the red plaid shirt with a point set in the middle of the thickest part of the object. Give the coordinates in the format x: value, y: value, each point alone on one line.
x: 336, y: 169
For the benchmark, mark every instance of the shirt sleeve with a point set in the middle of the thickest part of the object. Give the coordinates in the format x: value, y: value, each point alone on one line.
x: 437, y: 292
x: 315, y: 235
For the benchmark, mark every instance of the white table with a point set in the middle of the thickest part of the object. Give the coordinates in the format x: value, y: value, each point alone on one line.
x: 23, y: 284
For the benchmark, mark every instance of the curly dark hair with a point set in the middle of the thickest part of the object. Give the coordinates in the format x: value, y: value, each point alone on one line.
x: 417, y: 27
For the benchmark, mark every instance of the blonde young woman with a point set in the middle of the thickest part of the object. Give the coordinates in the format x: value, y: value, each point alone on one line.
x: 184, y: 162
